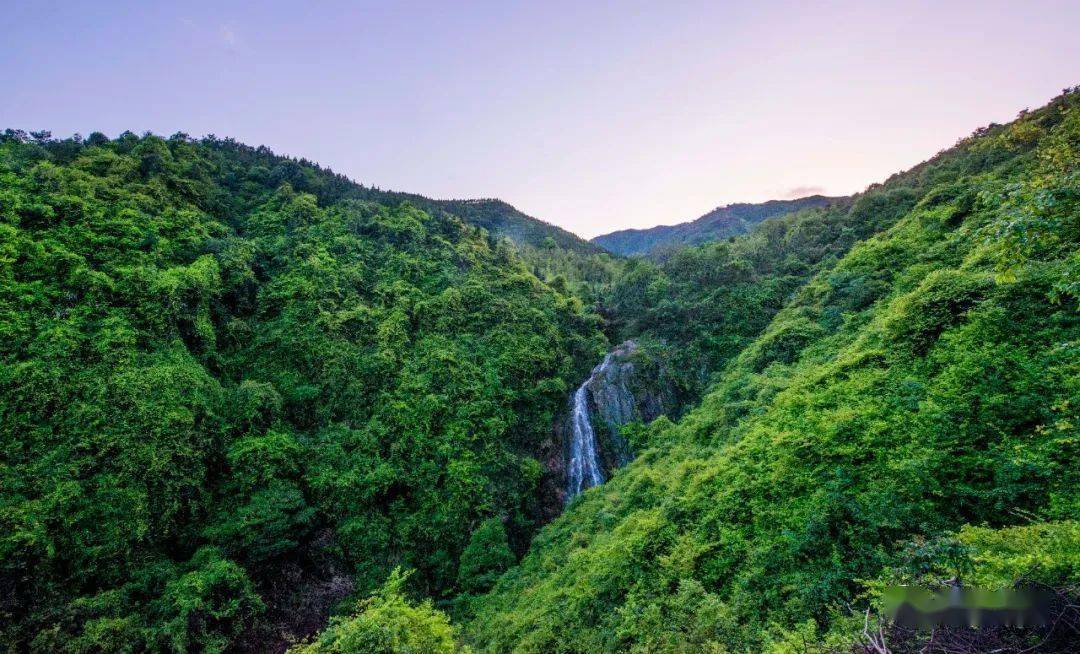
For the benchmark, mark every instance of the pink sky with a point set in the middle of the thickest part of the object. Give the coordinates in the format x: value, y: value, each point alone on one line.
x: 592, y: 116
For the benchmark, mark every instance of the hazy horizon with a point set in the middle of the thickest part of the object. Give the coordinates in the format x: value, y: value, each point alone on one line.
x: 595, y: 119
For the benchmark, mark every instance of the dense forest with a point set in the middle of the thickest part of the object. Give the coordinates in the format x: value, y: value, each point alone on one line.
x: 249, y: 405
x: 234, y: 394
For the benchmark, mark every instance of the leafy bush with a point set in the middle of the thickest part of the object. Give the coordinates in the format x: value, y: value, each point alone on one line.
x: 387, y: 623
x: 485, y: 557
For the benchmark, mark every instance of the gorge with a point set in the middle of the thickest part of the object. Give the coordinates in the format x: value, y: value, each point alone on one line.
x: 251, y: 406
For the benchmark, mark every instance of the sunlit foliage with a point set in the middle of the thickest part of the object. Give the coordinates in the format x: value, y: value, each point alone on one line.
x: 925, y: 381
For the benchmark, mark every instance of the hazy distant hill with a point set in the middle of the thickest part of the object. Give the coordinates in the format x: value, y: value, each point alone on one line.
x: 722, y: 222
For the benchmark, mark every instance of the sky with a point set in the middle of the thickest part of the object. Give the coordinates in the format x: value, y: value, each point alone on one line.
x: 595, y: 116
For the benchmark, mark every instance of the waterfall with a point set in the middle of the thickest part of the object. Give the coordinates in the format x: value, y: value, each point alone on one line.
x: 584, y: 471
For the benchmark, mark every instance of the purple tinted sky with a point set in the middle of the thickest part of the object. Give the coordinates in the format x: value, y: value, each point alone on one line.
x: 592, y: 116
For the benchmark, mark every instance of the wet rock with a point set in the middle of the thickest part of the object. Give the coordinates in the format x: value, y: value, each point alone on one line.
x: 626, y: 386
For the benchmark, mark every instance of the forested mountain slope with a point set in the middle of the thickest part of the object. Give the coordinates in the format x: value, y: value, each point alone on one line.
x: 910, y: 414
x: 497, y: 217
x: 236, y: 390
x: 240, y: 394
x: 720, y: 223
x: 697, y: 307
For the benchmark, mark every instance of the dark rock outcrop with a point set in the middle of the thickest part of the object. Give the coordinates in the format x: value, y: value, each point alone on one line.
x: 629, y: 387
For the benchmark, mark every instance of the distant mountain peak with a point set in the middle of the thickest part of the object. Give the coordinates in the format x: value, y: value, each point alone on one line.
x: 721, y: 222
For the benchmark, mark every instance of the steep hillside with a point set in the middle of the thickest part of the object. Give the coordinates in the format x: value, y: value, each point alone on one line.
x: 236, y: 390
x: 720, y: 223
x: 697, y: 307
x: 911, y: 413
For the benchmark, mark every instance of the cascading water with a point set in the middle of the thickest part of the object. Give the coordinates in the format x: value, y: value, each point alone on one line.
x: 584, y: 471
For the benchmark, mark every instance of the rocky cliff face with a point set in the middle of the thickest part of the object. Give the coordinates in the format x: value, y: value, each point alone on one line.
x: 619, y: 395
x: 627, y: 387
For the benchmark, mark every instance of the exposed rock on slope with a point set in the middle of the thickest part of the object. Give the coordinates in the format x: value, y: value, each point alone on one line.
x: 630, y: 387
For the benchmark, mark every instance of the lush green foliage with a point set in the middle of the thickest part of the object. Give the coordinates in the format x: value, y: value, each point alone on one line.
x: 926, y: 380
x: 503, y: 220
x: 589, y: 276
x: 229, y: 381
x: 701, y: 306
x: 485, y: 557
x: 239, y: 392
x: 1047, y: 553
x: 497, y: 217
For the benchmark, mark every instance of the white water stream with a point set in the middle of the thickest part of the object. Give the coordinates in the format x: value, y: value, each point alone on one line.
x: 584, y: 470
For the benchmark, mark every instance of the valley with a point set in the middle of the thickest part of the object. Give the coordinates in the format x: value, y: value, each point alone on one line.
x: 252, y: 406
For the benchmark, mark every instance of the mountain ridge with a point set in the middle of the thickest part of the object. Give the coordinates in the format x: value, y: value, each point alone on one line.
x: 722, y: 222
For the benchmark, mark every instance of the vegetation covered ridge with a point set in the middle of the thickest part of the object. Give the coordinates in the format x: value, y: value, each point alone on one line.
x: 910, y: 414
x: 696, y: 308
